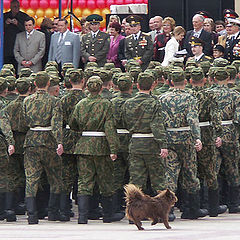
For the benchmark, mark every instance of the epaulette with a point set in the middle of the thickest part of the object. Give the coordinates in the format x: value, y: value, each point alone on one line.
x: 208, y: 57
x: 129, y: 36
x: 146, y: 34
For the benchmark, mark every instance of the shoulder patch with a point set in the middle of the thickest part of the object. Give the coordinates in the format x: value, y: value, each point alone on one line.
x: 208, y: 57
x: 146, y: 34
x: 129, y: 36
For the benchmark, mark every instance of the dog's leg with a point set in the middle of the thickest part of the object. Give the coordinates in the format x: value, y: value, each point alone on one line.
x: 138, y: 224
x: 165, y: 222
x: 155, y: 221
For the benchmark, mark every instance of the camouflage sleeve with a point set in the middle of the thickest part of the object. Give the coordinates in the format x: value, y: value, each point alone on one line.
x: 237, y: 109
x: 158, y: 128
x: 6, y: 128
x: 110, y: 131
x: 57, y: 122
x: 192, y: 119
x: 74, y: 122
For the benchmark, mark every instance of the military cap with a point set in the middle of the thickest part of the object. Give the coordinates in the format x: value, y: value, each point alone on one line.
x: 188, y: 71
x: 41, y: 79
x: 31, y: 79
x: 11, y: 82
x: 205, y: 14
x: 94, y: 18
x: 219, y: 48
x: 66, y: 66
x: 211, y: 71
x: 9, y: 66
x: 23, y: 84
x: 133, y: 20
x: 177, y: 75
x: 134, y: 72
x: 152, y: 72
x: 153, y: 64
x: 159, y: 70
x: 196, y: 42
x: 233, y: 21
x: 51, y: 63
x: 236, y: 63
x: 231, y: 69
x: 205, y: 65
x: 109, y: 66
x: 125, y: 82
x: 105, y: 75
x: 221, y: 74
x: 88, y: 72
x: 220, y: 62
x: 53, y: 73
x: 68, y: 71
x: 54, y: 81
x: 116, y: 70
x: 166, y: 72
x: 51, y: 69
x: 177, y: 63
x: 92, y: 64
x: 25, y: 72
x: 94, y: 84
x: 197, y: 74
x: 6, y: 72
x: 145, y: 80
x: 229, y: 13
x: 3, y: 84
x: 116, y: 76
x: 131, y: 63
x: 67, y: 83
x: 191, y: 62
x: 76, y: 75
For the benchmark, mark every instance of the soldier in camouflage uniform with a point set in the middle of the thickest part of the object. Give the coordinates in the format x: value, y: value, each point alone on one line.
x: 228, y: 103
x: 96, y: 150
x: 142, y: 118
x: 43, y: 115
x: 211, y: 132
x: 11, y: 94
x: 6, y: 139
x: 121, y: 164
x: 70, y: 138
x: 25, y: 72
x: 180, y: 117
x: 16, y: 173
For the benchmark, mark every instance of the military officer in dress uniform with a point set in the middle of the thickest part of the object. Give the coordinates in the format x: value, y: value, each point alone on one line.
x: 232, y: 50
x: 197, y: 50
x: 139, y: 45
x: 95, y: 44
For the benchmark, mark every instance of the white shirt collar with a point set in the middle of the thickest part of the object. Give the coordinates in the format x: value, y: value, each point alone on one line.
x: 198, y: 32
x: 63, y: 35
x: 94, y: 33
x: 29, y: 34
x: 235, y: 35
x: 197, y: 58
x: 137, y: 34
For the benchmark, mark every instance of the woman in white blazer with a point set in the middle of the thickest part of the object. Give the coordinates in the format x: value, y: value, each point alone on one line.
x: 172, y: 45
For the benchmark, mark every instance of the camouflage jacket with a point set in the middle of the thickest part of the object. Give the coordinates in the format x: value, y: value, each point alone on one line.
x: 43, y: 110
x: 208, y: 111
x: 117, y: 113
x: 15, y: 112
x: 10, y: 97
x: 142, y: 114
x: 229, y: 106
x: 106, y: 94
x: 69, y: 102
x: 179, y: 109
x: 94, y: 113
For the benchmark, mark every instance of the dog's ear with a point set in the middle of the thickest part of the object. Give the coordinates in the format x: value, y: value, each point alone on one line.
x: 168, y: 192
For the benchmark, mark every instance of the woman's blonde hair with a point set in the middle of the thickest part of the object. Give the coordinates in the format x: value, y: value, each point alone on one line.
x: 178, y: 30
x: 171, y: 21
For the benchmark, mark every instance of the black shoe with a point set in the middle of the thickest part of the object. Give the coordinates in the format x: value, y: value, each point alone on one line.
x: 222, y: 209
x: 233, y: 200
x: 20, y: 209
x: 53, y: 207
x: 10, y: 213
x: 32, y: 210
x: 83, y: 208
x: 95, y: 214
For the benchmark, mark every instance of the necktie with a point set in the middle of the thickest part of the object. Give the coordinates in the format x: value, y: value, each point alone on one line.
x: 59, y: 49
x: 94, y: 35
x: 136, y: 37
x: 28, y: 35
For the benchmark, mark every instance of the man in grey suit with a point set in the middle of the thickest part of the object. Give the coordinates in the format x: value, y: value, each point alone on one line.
x: 29, y: 47
x: 157, y: 20
x: 64, y: 46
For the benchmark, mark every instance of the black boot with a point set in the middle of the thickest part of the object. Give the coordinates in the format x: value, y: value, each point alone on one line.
x: 184, y: 208
x: 233, y: 206
x: 2, y: 206
x: 42, y: 200
x: 32, y: 210
x: 64, y: 208
x: 213, y: 202
x: 83, y: 209
x: 108, y: 215
x: 20, y: 206
x: 53, y: 207
x: 10, y: 213
x: 171, y: 216
x: 95, y: 211
x: 116, y: 199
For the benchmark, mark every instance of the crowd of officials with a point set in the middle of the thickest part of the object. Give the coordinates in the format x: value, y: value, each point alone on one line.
x: 84, y: 113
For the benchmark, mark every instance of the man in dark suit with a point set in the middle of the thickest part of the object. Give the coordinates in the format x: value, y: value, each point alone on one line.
x: 95, y: 44
x: 198, y: 32
x: 138, y: 45
x: 232, y: 50
x: 64, y: 46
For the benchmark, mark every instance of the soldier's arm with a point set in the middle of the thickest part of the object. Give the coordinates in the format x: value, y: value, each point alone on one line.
x: 127, y: 51
x: 104, y: 51
x: 111, y: 132
x: 85, y: 54
x: 74, y: 121
x: 148, y: 54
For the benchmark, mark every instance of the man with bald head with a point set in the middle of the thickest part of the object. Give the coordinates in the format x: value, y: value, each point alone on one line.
x: 198, y: 32
x: 157, y: 24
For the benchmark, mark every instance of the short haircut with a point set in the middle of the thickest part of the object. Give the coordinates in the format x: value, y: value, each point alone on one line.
x: 220, y: 22
x: 15, y: 1
x: 116, y: 26
x: 63, y: 20
x: 199, y: 16
x: 30, y: 19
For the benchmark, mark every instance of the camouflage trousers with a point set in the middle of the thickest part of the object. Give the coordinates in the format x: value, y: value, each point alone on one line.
x: 120, y: 169
x: 37, y: 159
x: 69, y: 171
x: 182, y: 160
x: 16, y: 174
x: 142, y: 166
x: 229, y: 153
x: 207, y: 160
x: 4, y: 170
x: 92, y: 170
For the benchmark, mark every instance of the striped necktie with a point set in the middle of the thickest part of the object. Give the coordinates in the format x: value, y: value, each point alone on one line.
x: 59, y: 49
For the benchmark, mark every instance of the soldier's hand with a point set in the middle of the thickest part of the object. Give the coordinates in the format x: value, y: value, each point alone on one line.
x: 164, y: 153
x: 218, y: 142
x: 92, y: 59
x: 60, y: 149
x: 113, y: 157
x: 11, y: 149
x: 198, y: 145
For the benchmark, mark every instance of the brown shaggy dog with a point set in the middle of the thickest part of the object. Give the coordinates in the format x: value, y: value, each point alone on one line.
x: 140, y: 206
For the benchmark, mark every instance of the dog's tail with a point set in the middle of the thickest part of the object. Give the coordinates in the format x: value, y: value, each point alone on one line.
x: 132, y: 193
